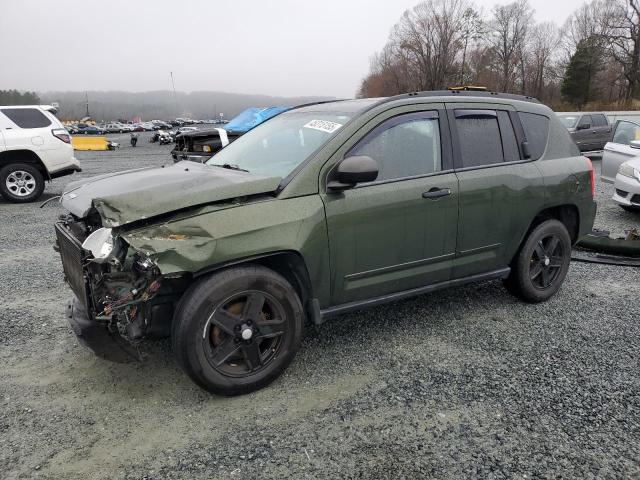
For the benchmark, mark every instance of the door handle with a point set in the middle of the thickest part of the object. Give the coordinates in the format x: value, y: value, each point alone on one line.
x: 436, y: 192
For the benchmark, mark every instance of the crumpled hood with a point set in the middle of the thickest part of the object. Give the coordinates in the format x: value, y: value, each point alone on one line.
x: 133, y: 195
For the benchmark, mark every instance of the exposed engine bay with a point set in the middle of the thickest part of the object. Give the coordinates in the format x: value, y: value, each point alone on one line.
x: 119, y: 287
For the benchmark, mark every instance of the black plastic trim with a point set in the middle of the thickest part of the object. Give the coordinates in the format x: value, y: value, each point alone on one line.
x: 351, y: 306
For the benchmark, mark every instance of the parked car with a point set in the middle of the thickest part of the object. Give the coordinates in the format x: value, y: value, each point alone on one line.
x: 201, y: 145
x: 591, y: 131
x: 72, y: 129
x: 321, y: 210
x: 115, y: 128
x: 620, y: 164
x: 34, y: 147
x: 86, y: 129
x: 627, y: 185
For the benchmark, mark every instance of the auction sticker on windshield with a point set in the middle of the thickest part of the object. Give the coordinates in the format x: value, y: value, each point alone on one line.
x: 323, y: 125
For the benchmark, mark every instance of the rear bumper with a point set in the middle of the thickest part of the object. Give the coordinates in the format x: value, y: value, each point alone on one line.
x: 97, y: 336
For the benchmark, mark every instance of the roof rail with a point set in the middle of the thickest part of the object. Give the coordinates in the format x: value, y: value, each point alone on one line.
x: 466, y: 93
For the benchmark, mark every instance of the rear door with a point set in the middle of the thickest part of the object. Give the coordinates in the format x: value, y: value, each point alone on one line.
x: 500, y: 191
x: 398, y: 232
x: 619, y: 150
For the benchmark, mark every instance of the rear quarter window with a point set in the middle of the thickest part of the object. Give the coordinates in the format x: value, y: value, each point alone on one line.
x: 27, y: 117
x: 536, y: 129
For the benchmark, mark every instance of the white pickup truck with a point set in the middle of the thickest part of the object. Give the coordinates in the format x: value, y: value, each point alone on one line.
x: 34, y: 147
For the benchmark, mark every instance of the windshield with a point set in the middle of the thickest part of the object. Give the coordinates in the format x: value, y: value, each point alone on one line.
x: 569, y: 121
x: 279, y: 145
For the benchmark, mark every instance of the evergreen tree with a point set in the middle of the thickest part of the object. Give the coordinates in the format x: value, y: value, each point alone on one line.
x: 14, y: 97
x: 578, y: 83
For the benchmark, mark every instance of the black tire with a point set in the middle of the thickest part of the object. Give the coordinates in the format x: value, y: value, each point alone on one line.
x: 630, y: 208
x: 541, y: 265
x: 30, y: 190
x: 210, y: 348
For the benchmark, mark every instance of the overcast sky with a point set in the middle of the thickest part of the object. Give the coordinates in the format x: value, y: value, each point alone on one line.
x: 274, y: 47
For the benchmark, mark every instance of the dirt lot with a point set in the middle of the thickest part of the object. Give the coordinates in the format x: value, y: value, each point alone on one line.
x: 465, y: 383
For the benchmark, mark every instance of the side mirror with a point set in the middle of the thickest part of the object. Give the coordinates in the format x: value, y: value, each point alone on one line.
x: 634, y: 143
x: 351, y: 171
x: 584, y: 126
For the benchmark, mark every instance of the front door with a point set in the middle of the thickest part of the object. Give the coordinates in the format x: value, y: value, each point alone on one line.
x: 398, y: 232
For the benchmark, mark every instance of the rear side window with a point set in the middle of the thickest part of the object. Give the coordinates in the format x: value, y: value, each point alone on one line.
x: 27, y: 117
x: 599, y: 120
x: 479, y: 137
x: 536, y: 130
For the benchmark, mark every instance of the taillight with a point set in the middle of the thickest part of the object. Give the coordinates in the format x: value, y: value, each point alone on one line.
x: 592, y: 178
x: 62, y: 134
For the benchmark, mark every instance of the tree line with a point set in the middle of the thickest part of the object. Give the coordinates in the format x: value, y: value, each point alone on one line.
x: 592, y: 60
x: 14, y: 97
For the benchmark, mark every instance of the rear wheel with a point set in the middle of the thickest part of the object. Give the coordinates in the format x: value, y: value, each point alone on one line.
x: 236, y: 331
x: 542, y: 263
x: 21, y: 183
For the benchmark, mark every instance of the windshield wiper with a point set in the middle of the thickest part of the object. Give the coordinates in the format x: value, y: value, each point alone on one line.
x: 229, y: 167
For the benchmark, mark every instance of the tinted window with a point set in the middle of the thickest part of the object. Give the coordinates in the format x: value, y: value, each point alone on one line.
x: 479, y: 136
x: 586, y: 120
x: 509, y: 142
x: 625, y: 132
x: 403, y: 146
x: 27, y: 117
x: 599, y: 120
x: 536, y: 131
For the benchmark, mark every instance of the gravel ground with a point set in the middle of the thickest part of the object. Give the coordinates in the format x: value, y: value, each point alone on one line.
x: 464, y: 383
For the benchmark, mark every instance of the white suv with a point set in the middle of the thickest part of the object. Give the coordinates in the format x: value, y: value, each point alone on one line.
x: 34, y: 147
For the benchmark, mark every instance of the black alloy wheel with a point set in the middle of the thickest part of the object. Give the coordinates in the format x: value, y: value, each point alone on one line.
x: 244, y: 333
x: 546, y: 262
x: 237, y: 330
x: 541, y: 265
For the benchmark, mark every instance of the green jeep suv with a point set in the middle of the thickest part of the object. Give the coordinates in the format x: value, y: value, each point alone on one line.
x: 321, y: 210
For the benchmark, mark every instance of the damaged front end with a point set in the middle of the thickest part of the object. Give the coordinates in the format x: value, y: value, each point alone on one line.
x: 121, y: 296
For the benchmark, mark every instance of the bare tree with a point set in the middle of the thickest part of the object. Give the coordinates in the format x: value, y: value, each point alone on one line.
x: 543, y: 44
x: 510, y: 25
x: 624, y: 38
x: 429, y: 37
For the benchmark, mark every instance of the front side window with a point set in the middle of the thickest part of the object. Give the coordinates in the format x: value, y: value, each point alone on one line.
x: 27, y: 117
x: 626, y: 132
x: 404, y: 146
x: 586, y: 121
x: 599, y: 120
x: 277, y: 146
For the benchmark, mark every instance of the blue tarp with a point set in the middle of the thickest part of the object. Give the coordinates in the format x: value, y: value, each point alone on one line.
x: 252, y: 117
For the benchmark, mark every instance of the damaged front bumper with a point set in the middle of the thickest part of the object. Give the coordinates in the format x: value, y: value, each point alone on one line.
x: 117, y: 304
x: 98, y: 337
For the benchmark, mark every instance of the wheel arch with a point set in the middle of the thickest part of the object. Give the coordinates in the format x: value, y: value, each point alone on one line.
x: 24, y: 156
x: 568, y: 214
x: 288, y: 263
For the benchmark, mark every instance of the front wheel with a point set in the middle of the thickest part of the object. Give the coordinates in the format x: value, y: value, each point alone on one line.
x: 21, y: 183
x: 542, y: 263
x: 236, y: 331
